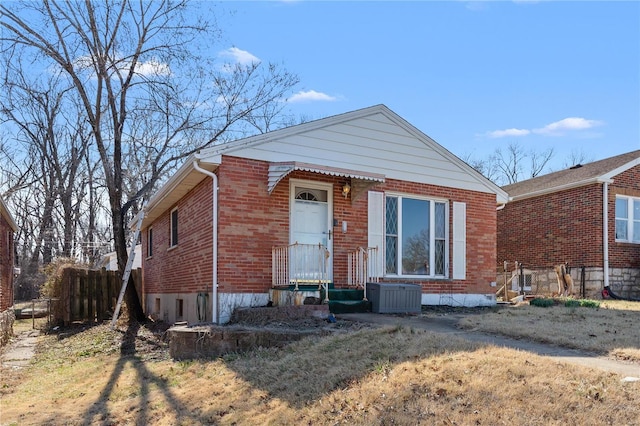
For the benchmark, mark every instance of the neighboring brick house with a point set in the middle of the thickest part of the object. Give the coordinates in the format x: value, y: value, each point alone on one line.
x: 7, y: 229
x: 211, y: 235
x: 559, y: 217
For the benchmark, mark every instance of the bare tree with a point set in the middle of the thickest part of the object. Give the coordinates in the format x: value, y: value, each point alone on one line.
x: 128, y: 59
x: 575, y: 158
x: 512, y: 163
x: 539, y: 161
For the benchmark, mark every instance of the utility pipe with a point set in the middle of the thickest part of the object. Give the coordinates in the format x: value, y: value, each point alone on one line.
x: 214, y: 302
x: 605, y: 231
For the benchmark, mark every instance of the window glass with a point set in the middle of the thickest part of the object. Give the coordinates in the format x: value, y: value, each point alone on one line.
x: 174, y: 228
x: 440, y: 238
x: 416, y: 236
x: 636, y: 220
x: 391, y: 240
x: 622, y: 212
x: 150, y: 242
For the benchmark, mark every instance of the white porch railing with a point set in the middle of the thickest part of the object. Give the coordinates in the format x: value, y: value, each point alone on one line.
x: 362, y: 267
x: 301, y: 264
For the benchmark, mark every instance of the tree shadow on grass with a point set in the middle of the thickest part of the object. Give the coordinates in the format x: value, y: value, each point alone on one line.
x: 306, y: 371
x: 100, y: 413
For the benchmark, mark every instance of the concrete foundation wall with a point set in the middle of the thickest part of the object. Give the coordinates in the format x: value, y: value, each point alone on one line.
x: 164, y: 306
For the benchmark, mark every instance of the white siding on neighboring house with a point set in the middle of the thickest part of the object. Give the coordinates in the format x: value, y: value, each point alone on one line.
x: 110, y: 260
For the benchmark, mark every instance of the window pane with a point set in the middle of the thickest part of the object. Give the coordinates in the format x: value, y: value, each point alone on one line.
x: 621, y: 229
x: 391, y: 231
x: 622, y: 212
x: 391, y: 252
x: 439, y: 247
x: 440, y: 220
x: 415, y: 237
x: 636, y: 220
x: 174, y: 227
x: 392, y: 216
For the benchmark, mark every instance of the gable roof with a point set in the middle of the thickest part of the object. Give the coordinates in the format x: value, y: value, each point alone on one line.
x: 369, y: 144
x: 371, y: 141
x: 580, y: 175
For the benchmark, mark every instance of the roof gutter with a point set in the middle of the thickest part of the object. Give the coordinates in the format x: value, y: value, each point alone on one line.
x: 214, y: 289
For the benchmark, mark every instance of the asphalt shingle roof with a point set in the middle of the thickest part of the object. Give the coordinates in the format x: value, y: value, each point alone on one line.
x: 565, y: 178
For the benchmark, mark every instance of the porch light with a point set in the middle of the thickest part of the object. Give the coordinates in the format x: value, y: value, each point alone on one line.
x: 346, y: 188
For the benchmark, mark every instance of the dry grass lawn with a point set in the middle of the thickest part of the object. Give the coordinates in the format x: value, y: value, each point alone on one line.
x: 369, y: 376
x: 611, y: 329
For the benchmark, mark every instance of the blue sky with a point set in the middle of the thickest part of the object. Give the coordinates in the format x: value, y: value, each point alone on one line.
x: 474, y: 76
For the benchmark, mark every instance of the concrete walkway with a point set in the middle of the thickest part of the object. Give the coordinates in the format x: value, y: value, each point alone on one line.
x: 448, y: 325
x: 20, y: 350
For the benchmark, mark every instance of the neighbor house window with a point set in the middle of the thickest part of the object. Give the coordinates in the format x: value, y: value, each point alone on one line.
x: 150, y: 242
x: 415, y: 236
x: 174, y: 227
x: 628, y: 219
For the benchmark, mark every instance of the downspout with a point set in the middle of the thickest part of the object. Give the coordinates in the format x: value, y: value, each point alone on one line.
x: 605, y: 231
x: 214, y: 301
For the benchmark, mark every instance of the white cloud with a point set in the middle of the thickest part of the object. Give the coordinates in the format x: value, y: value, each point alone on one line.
x: 311, y: 95
x: 149, y: 68
x: 508, y: 132
x: 557, y: 128
x: 568, y: 124
x: 239, y: 56
x: 153, y: 67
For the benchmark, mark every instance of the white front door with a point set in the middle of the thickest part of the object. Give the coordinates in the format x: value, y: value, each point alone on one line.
x: 311, y: 220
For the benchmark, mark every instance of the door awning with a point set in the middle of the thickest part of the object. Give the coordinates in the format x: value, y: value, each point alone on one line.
x: 360, y: 180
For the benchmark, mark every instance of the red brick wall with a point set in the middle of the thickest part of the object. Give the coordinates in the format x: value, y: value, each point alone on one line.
x: 6, y: 265
x: 186, y: 267
x: 544, y: 231
x: 567, y: 227
x: 251, y: 222
x: 623, y: 255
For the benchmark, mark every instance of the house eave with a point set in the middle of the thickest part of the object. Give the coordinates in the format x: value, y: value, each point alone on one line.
x: 7, y: 215
x: 178, y: 185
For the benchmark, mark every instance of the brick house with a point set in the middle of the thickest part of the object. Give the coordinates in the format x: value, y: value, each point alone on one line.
x: 560, y: 217
x: 242, y: 218
x: 7, y: 228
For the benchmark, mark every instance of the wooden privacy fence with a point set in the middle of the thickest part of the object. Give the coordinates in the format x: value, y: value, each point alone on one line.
x: 90, y: 295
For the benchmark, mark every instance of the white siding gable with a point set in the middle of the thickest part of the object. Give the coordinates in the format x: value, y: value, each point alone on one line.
x: 373, y: 140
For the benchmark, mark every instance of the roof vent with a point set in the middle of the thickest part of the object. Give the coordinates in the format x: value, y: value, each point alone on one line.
x: 577, y: 166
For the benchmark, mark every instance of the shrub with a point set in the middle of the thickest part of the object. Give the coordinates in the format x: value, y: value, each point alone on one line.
x: 584, y: 303
x: 53, y: 276
x: 542, y: 303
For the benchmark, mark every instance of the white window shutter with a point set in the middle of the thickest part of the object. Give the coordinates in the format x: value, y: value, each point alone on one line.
x: 459, y: 241
x: 376, y: 229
